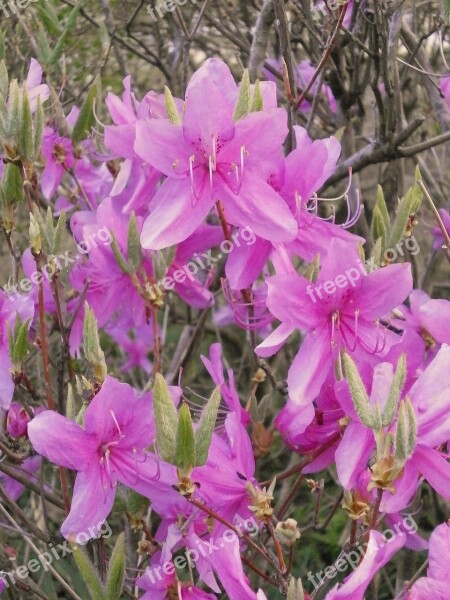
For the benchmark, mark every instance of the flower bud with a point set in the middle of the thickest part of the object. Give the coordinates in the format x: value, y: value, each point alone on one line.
x: 17, y: 420
x: 288, y: 532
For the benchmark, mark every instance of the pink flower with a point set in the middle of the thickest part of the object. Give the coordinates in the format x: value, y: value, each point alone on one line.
x: 17, y: 420
x: 207, y: 158
x: 436, y: 585
x: 111, y: 448
x: 336, y: 315
x: 377, y: 554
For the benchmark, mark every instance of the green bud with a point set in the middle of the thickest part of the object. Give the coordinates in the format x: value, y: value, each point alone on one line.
x: 243, y: 104
x: 258, y: 100
x: 204, y: 432
x: 116, y: 570
x: 166, y: 420
x: 185, y: 440
x: 134, y: 245
x: 91, y: 345
x: 288, y: 532
x: 398, y: 382
x: 13, y: 184
x: 171, y: 107
x: 295, y: 590
x: 35, y: 235
x: 89, y: 574
x: 26, y: 138
x: 358, y: 392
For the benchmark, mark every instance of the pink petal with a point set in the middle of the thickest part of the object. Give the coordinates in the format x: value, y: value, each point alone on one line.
x: 260, y: 208
x: 353, y: 453
x: 62, y: 441
x: 91, y: 504
x: 173, y: 218
x: 160, y: 143
x: 435, y: 468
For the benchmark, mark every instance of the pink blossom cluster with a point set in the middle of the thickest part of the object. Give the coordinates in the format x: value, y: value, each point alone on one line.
x: 368, y: 386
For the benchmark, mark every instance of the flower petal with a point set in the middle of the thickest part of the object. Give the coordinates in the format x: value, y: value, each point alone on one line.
x: 62, y: 441
x: 173, y: 218
x: 91, y: 504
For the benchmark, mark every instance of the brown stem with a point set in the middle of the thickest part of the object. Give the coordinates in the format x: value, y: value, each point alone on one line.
x: 311, y: 457
x: 278, y: 550
x: 43, y: 335
x: 325, y: 57
x: 258, y: 571
x: 24, y: 479
x: 376, y: 510
x: 230, y: 526
x: 290, y: 497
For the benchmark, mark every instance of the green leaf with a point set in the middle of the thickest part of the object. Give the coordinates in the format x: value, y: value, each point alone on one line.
x: 381, y: 205
x: 58, y: 49
x: 258, y: 100
x: 91, y: 344
x: 134, y: 245
x: 38, y: 129
x: 49, y: 229
x: 43, y: 48
x: 49, y: 17
x: 398, y: 381
x: 86, y: 117
x: 358, y: 391
x: 408, y: 206
x: 20, y: 345
x: 379, y: 231
x: 171, y: 107
x: 313, y: 269
x: 120, y: 258
x: 412, y: 429
x: 185, y: 441
x: 295, y: 590
x: 244, y: 101
x: 166, y: 420
x: 26, y: 141
x: 58, y: 232
x: 401, y: 440
x: 13, y: 184
x: 71, y: 410
x: 376, y: 255
x: 89, y: 574
x: 116, y: 570
x: 204, y: 431
x: 4, y: 79
x: 13, y: 126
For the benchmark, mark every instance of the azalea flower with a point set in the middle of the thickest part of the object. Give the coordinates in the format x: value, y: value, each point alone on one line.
x: 207, y: 158
x: 296, y: 178
x: 430, y: 400
x: 109, y: 449
x: 336, y: 316
x: 10, y: 307
x: 377, y: 554
x: 435, y: 585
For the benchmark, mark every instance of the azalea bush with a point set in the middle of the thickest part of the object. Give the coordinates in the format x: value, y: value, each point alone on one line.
x: 224, y: 313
